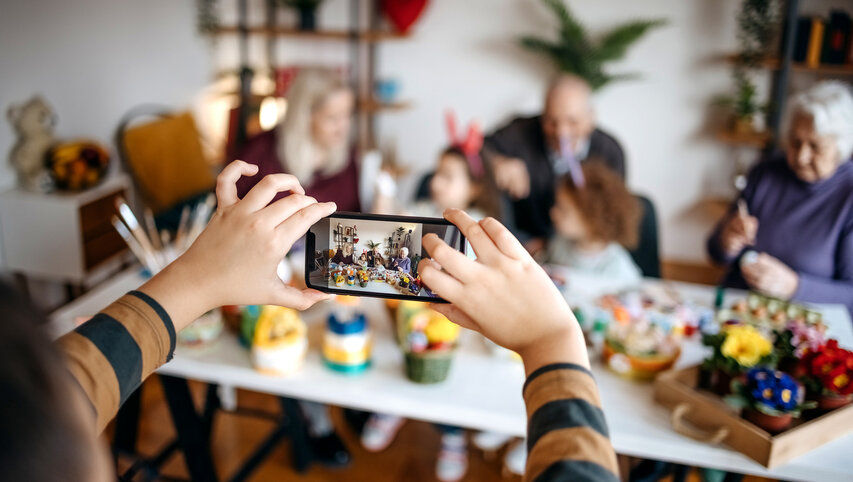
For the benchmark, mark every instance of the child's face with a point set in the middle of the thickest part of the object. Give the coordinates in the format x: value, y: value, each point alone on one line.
x: 567, y: 218
x: 451, y: 186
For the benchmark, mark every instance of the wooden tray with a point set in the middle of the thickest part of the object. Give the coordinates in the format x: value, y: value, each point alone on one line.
x: 716, y: 422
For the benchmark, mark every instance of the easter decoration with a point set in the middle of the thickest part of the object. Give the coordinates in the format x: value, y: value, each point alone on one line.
x: 347, y: 340
x: 639, y: 331
x: 280, y: 341
x: 203, y: 331
x: 428, y: 341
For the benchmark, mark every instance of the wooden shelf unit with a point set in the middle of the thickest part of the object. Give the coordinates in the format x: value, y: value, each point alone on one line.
x: 757, y: 140
x: 825, y: 69
x: 365, y: 36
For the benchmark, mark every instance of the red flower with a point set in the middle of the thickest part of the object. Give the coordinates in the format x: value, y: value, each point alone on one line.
x: 839, y: 381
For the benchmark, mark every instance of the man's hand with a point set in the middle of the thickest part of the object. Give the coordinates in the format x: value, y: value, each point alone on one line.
x: 233, y: 262
x: 504, y: 294
x: 512, y: 177
x: 770, y: 276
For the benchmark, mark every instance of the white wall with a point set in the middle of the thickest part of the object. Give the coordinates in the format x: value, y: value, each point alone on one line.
x: 94, y: 59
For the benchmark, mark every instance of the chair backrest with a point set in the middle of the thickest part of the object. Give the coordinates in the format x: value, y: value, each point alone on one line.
x: 164, y: 156
x: 646, y: 254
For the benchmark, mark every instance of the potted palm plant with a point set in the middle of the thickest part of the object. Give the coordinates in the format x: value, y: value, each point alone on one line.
x: 578, y: 53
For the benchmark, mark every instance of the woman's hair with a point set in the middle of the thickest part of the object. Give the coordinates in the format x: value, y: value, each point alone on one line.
x: 311, y: 88
x: 41, y: 437
x: 349, y: 249
x: 404, y: 251
x: 609, y: 210
x: 829, y: 104
x: 487, y: 199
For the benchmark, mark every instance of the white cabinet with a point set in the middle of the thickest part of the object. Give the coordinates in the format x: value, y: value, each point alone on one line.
x: 61, y: 236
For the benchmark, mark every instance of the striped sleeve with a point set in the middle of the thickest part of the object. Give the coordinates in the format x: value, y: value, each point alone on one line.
x: 112, y: 353
x: 567, y: 437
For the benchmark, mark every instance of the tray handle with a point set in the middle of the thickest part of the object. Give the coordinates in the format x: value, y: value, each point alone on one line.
x: 678, y: 424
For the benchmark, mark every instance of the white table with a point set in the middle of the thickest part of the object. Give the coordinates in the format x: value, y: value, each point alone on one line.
x: 482, y: 391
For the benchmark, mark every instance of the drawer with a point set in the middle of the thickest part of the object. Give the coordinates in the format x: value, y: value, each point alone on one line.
x: 95, y: 216
x: 101, y: 248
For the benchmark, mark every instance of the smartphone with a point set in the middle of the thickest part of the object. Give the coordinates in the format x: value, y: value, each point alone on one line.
x: 373, y: 255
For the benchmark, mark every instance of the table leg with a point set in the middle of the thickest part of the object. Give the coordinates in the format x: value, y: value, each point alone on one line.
x: 127, y: 424
x: 298, y: 432
x: 193, y: 432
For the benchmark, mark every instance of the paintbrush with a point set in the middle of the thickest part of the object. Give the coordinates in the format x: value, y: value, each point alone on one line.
x: 151, y: 226
x: 133, y: 244
x: 133, y: 225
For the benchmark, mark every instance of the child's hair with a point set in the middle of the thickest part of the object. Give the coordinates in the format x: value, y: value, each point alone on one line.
x: 609, y: 210
x: 41, y: 435
x: 487, y: 199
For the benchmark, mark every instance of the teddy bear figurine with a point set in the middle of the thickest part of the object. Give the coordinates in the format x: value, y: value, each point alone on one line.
x: 33, y: 123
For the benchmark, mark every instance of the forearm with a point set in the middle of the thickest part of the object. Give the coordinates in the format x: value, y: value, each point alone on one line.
x: 183, y: 292
x: 817, y: 289
x: 114, y: 352
x: 565, y: 346
x: 567, y: 435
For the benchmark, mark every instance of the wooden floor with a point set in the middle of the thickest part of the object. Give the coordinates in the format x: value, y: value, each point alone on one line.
x: 410, y: 458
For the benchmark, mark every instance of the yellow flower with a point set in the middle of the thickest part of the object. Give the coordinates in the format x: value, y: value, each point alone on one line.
x: 745, y: 345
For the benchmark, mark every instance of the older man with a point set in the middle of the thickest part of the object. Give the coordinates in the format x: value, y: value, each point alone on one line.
x: 525, y: 155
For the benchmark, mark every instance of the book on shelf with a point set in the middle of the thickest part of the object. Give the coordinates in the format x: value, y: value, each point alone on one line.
x: 836, y: 39
x: 815, y: 42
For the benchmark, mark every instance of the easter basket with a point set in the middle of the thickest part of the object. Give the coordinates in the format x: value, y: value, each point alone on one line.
x: 428, y: 341
x: 428, y: 366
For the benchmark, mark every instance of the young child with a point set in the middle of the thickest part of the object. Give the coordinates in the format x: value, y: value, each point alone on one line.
x: 459, y: 182
x: 594, y: 223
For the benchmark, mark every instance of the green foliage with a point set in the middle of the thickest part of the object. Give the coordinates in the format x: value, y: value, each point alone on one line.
x: 577, y: 53
x: 207, y: 16
x: 757, y: 21
x: 744, y: 102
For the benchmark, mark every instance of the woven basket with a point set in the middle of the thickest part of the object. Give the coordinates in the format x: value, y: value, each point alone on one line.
x: 428, y: 367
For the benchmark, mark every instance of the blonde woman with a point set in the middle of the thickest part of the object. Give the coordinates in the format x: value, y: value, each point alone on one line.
x: 313, y: 141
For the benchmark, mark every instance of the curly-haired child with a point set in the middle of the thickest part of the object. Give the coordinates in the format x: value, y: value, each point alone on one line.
x: 595, y: 219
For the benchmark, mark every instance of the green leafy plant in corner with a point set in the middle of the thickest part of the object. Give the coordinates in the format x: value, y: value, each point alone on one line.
x: 576, y: 52
x: 757, y: 22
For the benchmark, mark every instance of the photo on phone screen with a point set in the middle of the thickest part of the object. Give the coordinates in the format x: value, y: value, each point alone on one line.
x: 373, y: 255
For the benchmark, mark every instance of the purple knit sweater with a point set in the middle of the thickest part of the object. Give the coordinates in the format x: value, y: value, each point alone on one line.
x: 808, y: 226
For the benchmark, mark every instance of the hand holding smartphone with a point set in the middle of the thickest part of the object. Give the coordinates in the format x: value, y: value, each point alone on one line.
x: 373, y: 255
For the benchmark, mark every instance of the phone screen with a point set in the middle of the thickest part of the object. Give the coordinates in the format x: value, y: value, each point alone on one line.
x: 373, y: 255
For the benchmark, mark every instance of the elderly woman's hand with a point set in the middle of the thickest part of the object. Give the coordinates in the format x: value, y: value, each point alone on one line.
x: 770, y: 276
x: 738, y: 232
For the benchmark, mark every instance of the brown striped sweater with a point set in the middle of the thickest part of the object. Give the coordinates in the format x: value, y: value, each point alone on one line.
x: 111, y: 354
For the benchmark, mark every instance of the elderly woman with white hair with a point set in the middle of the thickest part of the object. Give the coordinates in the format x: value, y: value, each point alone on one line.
x: 791, y: 233
x: 313, y: 141
x: 403, y: 262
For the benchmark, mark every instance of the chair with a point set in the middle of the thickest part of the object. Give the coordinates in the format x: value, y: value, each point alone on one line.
x: 162, y: 151
x: 646, y: 254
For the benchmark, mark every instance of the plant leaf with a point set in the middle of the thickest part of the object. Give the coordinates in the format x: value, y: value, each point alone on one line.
x: 614, y: 45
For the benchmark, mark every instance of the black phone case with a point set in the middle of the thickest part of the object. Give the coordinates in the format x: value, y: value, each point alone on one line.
x: 310, y: 243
